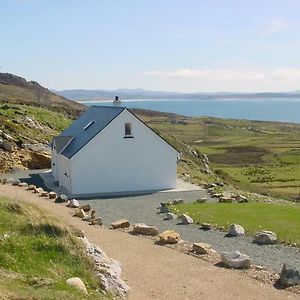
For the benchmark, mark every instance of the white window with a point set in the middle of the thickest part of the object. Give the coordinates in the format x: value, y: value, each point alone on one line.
x: 88, y: 125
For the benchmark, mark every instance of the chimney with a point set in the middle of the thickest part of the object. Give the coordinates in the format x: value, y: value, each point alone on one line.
x: 117, y: 102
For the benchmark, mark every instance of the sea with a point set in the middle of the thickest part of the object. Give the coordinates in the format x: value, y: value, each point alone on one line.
x: 280, y: 110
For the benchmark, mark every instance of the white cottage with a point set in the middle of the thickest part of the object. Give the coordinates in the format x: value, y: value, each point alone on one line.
x: 109, y: 150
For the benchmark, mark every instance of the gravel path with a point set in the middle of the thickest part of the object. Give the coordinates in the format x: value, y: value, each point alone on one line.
x: 143, y: 209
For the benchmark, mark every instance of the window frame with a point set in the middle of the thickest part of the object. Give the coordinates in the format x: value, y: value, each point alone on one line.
x: 128, y: 130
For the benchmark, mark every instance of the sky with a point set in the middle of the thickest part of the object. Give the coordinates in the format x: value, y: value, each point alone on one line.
x: 170, y: 45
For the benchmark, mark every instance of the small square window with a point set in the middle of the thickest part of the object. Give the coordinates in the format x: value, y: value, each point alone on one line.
x: 128, y: 129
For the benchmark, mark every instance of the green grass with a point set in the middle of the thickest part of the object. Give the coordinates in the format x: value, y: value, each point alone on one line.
x: 235, y: 146
x: 282, y: 219
x: 38, y: 254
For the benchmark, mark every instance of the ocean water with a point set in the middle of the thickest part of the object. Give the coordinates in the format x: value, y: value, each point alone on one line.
x: 285, y: 110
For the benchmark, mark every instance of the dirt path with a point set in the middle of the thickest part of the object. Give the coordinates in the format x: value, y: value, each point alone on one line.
x: 155, y: 272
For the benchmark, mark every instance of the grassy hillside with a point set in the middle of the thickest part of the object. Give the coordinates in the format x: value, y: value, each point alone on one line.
x: 256, y: 156
x: 15, y: 89
x: 38, y: 254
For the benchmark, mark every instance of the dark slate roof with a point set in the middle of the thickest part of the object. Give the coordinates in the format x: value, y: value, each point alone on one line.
x: 97, y: 117
x: 61, y: 142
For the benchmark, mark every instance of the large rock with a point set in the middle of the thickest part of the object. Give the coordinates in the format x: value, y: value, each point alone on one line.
x: 52, y: 195
x: 170, y: 216
x: 206, y: 226
x: 201, y: 248
x: 86, y: 207
x: 16, y: 182
x: 73, y: 203
x: 164, y: 209
x: 79, y: 213
x: 236, y: 230
x: 123, y: 223
x: 169, y: 237
x: 265, y: 237
x: 61, y: 199
x: 31, y: 187
x: 44, y: 194
x: 23, y: 184
x: 6, y: 146
x: 96, y: 221
x: 38, y: 190
x: 185, y: 220
x: 289, y: 276
x: 201, y: 200
x: 78, y: 284
x: 178, y: 201
x: 236, y: 260
x: 144, y: 229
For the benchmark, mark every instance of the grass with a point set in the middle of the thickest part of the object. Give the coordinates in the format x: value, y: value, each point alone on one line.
x: 282, y: 219
x: 38, y: 254
x: 254, y: 156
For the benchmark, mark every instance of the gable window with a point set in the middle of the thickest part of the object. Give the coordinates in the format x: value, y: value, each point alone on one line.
x: 128, y: 131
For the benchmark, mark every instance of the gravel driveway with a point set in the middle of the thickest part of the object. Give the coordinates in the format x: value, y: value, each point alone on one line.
x: 143, y: 209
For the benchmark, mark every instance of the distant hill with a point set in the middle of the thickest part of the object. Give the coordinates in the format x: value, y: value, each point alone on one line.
x: 99, y: 95
x: 15, y: 89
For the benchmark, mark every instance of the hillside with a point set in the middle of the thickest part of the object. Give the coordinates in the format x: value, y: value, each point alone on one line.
x: 15, y: 89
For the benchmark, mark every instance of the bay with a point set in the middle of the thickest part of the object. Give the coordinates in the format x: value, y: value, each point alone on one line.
x: 283, y: 110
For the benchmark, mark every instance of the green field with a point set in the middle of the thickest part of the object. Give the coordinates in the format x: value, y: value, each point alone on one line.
x: 254, y: 156
x: 284, y: 220
x: 38, y: 254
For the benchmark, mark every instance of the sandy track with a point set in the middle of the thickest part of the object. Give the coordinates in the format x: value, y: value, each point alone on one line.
x: 156, y: 272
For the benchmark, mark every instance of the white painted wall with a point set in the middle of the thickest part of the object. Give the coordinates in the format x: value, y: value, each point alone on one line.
x: 64, y: 172
x: 110, y: 163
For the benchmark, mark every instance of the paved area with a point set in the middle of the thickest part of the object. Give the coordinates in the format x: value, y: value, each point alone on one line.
x: 156, y: 272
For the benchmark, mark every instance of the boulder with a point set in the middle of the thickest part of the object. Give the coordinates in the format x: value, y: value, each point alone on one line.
x: 164, y: 209
x: 170, y: 216
x: 178, y: 201
x: 169, y: 237
x: 201, y: 200
x: 52, y: 195
x: 289, y: 275
x: 236, y: 260
x: 86, y: 207
x: 90, y: 217
x: 38, y: 190
x: 123, y: 223
x: 4, y: 180
x: 225, y: 200
x: 185, y: 220
x: 236, y: 230
x: 265, y: 237
x: 79, y: 213
x: 78, y: 284
x: 9, y: 180
x: 206, y: 226
x: 16, y: 182
x: 144, y: 229
x: 44, y: 194
x: 62, y: 198
x: 73, y: 203
x: 96, y: 221
x: 31, y: 187
x: 23, y: 184
x: 201, y: 248
x: 241, y: 199
x: 6, y: 146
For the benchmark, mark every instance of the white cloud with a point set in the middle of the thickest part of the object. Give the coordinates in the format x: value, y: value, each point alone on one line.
x: 276, y: 25
x: 281, y: 79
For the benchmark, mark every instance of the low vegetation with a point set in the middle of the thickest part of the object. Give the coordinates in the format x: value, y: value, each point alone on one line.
x: 282, y: 219
x: 38, y: 254
x: 255, y: 156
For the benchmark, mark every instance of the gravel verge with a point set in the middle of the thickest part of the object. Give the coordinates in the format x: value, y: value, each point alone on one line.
x: 143, y: 209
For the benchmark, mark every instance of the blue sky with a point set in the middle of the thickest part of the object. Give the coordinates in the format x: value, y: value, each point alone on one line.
x: 180, y: 45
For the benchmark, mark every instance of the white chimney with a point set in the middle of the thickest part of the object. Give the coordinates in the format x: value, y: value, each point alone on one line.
x: 117, y: 102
